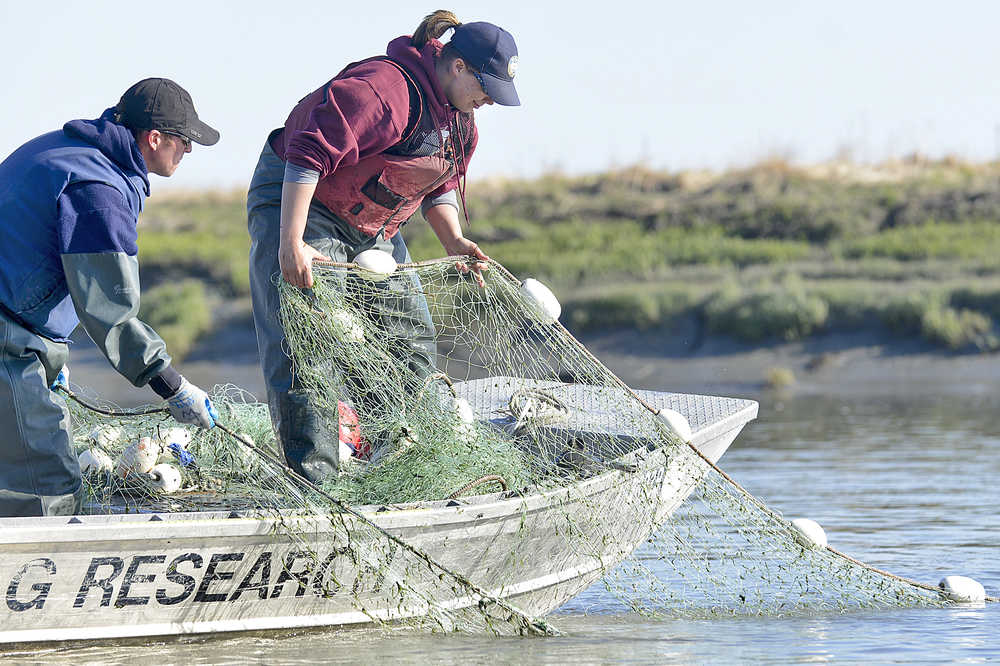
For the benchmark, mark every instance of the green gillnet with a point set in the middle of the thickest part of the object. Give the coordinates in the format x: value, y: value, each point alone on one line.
x: 351, y: 339
x: 724, y: 553
x: 395, y: 359
x: 331, y: 551
x: 212, y: 470
x: 485, y: 455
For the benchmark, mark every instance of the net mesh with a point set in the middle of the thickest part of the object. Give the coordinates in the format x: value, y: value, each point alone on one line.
x: 725, y: 553
x: 541, y: 472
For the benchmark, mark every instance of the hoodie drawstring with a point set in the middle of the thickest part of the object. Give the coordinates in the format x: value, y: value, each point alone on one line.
x: 456, y: 131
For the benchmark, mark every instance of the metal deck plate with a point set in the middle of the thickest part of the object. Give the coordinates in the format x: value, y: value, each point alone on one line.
x: 601, y: 409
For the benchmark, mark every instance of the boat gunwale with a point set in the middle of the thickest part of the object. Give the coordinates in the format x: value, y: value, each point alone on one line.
x: 414, y: 515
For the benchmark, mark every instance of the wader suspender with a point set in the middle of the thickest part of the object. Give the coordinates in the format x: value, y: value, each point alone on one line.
x: 413, y: 124
x: 415, y: 95
x: 413, y: 144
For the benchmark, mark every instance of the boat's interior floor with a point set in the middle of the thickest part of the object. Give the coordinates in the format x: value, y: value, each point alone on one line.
x: 589, y: 405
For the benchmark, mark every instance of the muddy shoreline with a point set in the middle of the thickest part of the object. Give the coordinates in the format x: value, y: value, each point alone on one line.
x: 833, y: 364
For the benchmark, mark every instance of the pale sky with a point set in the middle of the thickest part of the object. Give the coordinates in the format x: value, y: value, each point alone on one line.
x: 673, y: 85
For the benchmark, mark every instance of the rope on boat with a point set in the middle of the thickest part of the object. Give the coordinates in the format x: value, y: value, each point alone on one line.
x: 115, y: 413
x: 535, y: 626
x: 483, y: 479
x: 536, y: 407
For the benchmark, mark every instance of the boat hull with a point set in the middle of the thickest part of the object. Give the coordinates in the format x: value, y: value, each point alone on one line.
x: 170, y: 574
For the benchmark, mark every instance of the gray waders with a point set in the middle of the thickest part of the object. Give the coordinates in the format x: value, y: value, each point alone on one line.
x: 309, y: 438
x: 39, y: 471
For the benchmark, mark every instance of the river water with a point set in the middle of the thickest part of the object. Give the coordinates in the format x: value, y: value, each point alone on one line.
x: 907, y: 485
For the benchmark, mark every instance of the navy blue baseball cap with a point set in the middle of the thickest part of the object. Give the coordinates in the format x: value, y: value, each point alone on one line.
x: 490, y: 50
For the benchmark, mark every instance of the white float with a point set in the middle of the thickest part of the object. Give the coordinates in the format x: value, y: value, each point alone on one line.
x: 252, y: 461
x: 464, y: 426
x: 165, y: 478
x: 105, y: 436
x: 346, y: 450
x: 676, y: 422
x: 962, y: 589
x: 95, y: 461
x: 179, y: 436
x: 138, y: 458
x: 375, y: 265
x: 243, y: 455
x: 542, y: 300
x: 808, y: 533
x: 463, y: 410
x: 347, y: 326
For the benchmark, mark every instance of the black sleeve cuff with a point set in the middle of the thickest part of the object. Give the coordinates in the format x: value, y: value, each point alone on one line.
x: 166, y: 383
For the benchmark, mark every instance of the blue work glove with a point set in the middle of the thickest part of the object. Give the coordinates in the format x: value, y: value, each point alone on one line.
x: 191, y: 405
x: 185, y: 458
x: 62, y: 379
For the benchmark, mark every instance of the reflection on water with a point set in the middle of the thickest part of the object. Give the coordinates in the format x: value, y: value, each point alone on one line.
x: 906, y: 485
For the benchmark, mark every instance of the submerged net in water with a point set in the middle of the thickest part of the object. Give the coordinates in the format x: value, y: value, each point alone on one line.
x: 493, y: 458
x: 723, y: 552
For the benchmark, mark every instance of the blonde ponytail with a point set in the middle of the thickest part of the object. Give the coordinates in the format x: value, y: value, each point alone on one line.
x: 433, y: 26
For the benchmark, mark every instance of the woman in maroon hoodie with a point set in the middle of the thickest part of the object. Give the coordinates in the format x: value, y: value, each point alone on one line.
x: 353, y: 162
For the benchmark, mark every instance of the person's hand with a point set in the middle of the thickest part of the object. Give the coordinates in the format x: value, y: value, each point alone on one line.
x: 295, y: 260
x: 191, y: 405
x: 62, y: 379
x: 463, y: 246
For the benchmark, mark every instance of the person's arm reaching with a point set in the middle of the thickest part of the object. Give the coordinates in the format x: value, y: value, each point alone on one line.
x: 295, y: 256
x: 444, y: 220
x: 334, y: 127
x: 102, y: 275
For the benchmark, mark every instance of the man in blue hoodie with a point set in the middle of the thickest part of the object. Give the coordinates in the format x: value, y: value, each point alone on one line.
x: 69, y: 203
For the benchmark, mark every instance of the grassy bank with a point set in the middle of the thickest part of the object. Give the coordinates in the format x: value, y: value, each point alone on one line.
x: 769, y: 253
x: 200, y: 235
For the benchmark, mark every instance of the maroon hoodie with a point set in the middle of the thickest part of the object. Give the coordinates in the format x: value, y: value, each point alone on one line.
x: 364, y: 112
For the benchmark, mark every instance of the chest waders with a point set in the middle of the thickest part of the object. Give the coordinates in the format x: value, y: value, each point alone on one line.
x: 354, y: 209
x: 39, y: 471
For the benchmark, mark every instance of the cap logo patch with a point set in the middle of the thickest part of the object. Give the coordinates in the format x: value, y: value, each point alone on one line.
x: 512, y: 66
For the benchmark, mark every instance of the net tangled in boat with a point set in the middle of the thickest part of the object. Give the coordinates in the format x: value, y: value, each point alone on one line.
x: 137, y: 461
x: 488, y: 456
x: 305, y: 539
x: 451, y: 383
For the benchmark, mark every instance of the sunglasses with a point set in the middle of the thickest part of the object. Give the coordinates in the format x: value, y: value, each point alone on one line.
x: 184, y: 140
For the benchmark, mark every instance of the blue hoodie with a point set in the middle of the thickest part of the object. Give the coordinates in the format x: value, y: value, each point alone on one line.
x: 76, y: 190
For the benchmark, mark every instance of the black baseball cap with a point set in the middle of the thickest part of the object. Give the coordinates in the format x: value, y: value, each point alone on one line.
x: 161, y: 104
x: 490, y: 50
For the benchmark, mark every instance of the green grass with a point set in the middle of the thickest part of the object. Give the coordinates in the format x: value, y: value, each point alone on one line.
x: 628, y: 307
x: 978, y: 240
x: 791, y: 308
x: 764, y: 254
x: 577, y: 252
x: 179, y: 312
x: 785, y: 311
x: 218, y: 259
